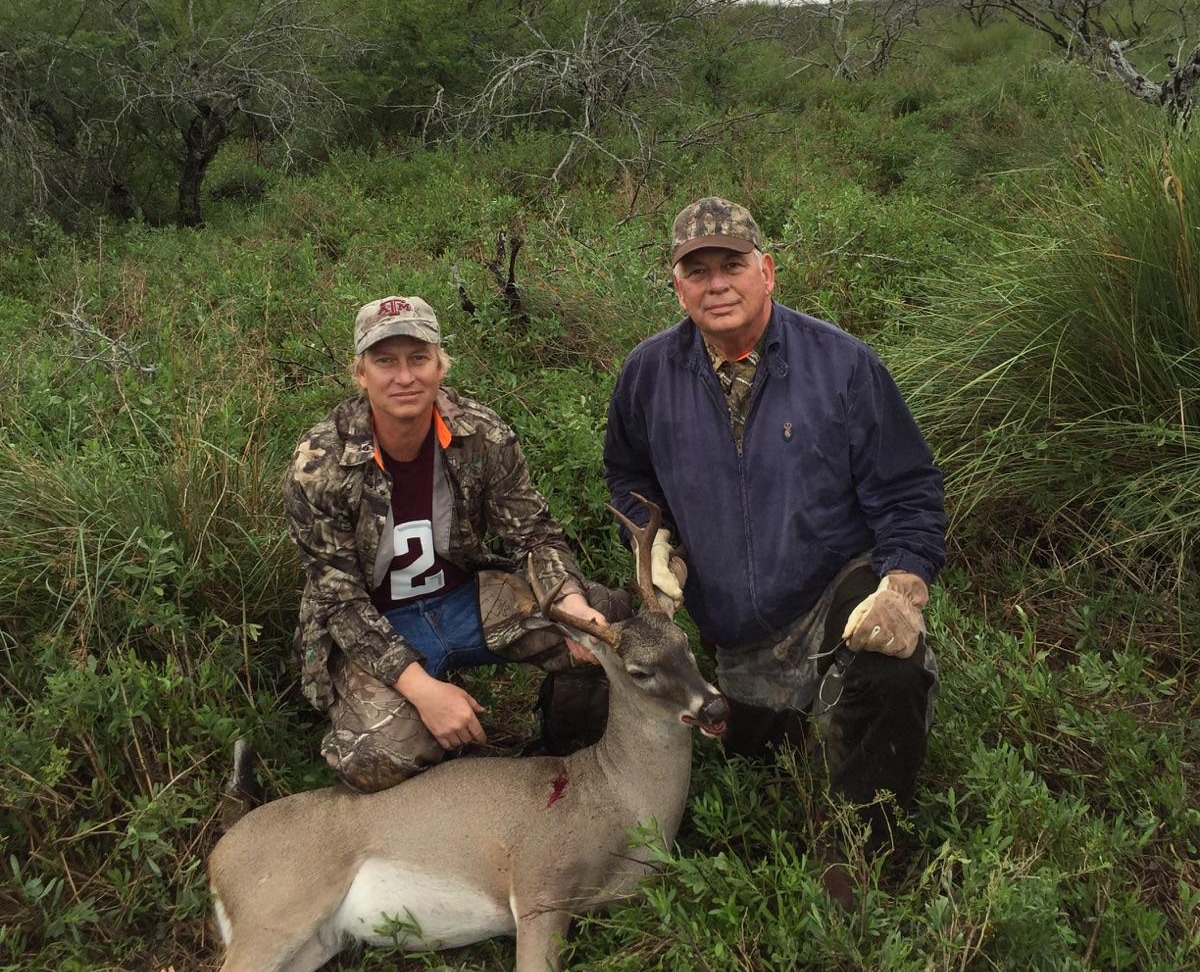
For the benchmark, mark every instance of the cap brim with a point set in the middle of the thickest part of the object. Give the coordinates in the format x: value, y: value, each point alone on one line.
x: 421, y: 330
x: 735, y: 243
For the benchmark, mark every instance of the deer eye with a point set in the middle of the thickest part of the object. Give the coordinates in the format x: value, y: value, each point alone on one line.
x: 639, y: 674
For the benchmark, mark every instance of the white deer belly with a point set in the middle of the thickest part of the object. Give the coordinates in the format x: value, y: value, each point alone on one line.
x: 426, y: 910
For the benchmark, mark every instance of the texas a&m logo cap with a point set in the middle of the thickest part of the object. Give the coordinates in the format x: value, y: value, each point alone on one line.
x: 395, y: 317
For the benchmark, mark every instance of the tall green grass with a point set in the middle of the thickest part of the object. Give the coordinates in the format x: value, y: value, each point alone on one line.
x: 1060, y: 376
x: 146, y: 591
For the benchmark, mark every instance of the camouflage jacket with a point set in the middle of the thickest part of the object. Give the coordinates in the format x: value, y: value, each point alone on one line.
x: 337, y: 500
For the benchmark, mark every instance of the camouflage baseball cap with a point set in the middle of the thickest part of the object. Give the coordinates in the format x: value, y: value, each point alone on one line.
x: 712, y: 221
x: 395, y: 317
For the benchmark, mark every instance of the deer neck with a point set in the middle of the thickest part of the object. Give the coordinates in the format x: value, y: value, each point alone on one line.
x: 643, y: 754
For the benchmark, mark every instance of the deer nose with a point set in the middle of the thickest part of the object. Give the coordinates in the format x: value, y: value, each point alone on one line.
x: 714, y: 710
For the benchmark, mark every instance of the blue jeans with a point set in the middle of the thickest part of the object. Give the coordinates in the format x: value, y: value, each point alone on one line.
x: 446, y: 630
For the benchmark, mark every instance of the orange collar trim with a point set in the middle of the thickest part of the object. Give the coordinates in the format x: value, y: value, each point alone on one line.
x: 716, y: 355
x: 442, y: 430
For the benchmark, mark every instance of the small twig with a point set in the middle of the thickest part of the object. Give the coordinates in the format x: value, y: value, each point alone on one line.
x: 303, y: 366
x: 137, y: 746
x: 510, y: 293
x: 333, y: 356
x: 497, y: 262
x: 464, y: 299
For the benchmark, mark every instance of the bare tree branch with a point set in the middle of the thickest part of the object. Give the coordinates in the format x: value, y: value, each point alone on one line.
x: 90, y: 345
x: 581, y: 83
x: 865, y: 37
x: 172, y: 77
x: 507, y: 247
x: 1175, y: 94
x: 1102, y: 33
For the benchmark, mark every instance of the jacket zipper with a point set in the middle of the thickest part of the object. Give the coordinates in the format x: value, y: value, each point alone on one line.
x: 723, y: 409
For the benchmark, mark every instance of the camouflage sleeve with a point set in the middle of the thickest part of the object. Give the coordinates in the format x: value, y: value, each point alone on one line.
x: 339, y: 601
x: 518, y: 514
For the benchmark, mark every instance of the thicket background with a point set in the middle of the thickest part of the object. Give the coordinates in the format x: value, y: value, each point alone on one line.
x: 196, y: 198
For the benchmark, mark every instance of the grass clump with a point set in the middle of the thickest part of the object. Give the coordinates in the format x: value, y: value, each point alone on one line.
x: 1061, y: 376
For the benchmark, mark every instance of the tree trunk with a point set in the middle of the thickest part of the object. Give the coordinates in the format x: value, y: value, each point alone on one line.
x: 1176, y: 94
x: 120, y: 200
x: 202, y: 139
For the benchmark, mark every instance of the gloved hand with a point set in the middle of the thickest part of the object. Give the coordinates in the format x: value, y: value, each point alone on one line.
x: 667, y: 571
x: 890, y: 620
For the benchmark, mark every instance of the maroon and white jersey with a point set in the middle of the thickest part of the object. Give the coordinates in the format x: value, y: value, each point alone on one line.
x: 417, y: 570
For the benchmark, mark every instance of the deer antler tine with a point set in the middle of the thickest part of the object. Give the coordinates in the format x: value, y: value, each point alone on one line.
x: 555, y: 613
x: 654, y: 507
x: 544, y: 603
x: 627, y: 523
x: 655, y: 515
x: 644, y: 540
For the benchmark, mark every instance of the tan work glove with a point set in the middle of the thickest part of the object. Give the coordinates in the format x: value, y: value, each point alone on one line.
x: 890, y: 620
x: 667, y: 571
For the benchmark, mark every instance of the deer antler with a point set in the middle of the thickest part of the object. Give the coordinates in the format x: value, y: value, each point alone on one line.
x: 644, y: 541
x: 546, y: 602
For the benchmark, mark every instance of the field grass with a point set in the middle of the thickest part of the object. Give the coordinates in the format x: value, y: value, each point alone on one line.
x: 1041, y: 320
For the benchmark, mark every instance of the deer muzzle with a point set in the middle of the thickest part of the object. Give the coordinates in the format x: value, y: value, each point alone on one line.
x: 711, y: 717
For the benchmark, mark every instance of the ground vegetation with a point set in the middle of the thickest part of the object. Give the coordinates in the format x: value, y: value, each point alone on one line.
x: 1019, y: 242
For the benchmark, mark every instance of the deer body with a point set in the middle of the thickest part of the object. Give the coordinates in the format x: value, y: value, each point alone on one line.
x: 473, y: 848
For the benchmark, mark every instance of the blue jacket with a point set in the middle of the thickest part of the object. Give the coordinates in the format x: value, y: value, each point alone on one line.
x: 833, y: 465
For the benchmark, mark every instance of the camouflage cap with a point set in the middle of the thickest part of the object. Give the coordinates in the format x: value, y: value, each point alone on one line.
x: 712, y: 221
x: 395, y: 317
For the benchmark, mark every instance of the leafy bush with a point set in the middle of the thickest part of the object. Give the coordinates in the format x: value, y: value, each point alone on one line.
x: 863, y: 256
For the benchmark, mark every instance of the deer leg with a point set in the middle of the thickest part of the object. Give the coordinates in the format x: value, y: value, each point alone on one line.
x: 275, y: 940
x: 266, y: 953
x: 539, y: 938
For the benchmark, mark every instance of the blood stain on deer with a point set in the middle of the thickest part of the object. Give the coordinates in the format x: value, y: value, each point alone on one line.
x: 560, y: 785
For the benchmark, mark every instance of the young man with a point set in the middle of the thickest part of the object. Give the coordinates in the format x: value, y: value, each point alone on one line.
x: 392, y: 500
x: 821, y: 521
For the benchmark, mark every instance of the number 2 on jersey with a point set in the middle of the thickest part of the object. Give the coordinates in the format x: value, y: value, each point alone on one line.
x: 407, y: 581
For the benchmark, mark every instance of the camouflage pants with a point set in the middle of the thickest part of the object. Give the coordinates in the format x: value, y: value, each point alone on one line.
x: 377, y: 738
x: 872, y: 718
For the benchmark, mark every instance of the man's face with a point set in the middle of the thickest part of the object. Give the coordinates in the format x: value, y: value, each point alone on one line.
x: 401, y: 376
x: 727, y: 294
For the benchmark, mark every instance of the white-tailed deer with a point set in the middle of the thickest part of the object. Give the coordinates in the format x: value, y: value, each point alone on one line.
x: 475, y: 848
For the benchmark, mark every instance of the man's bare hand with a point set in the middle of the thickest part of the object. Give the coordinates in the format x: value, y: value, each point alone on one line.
x: 449, y: 713
x: 577, y: 605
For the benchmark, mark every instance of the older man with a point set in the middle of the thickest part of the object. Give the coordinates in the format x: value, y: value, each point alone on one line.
x: 393, y: 499
x: 792, y: 473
